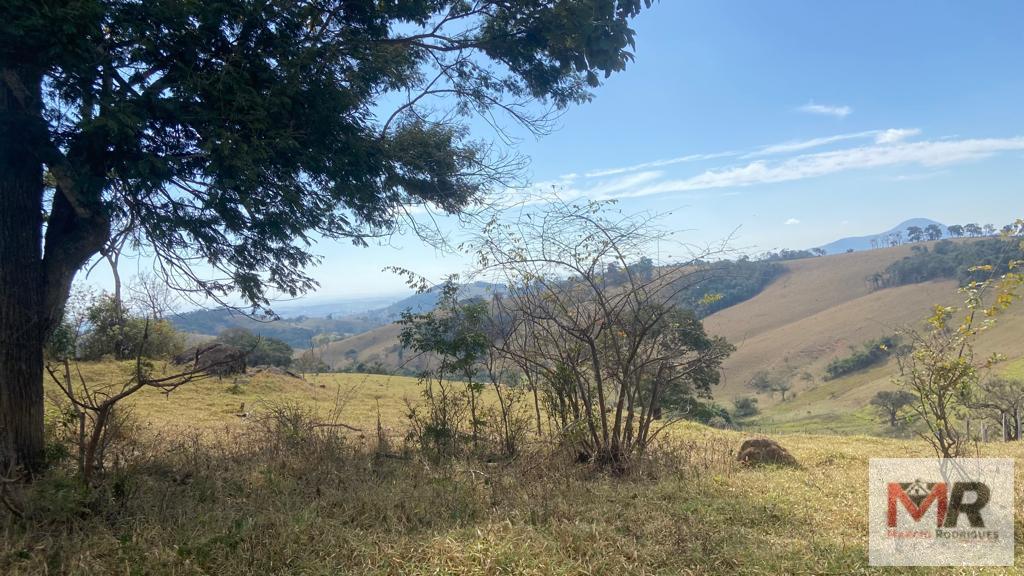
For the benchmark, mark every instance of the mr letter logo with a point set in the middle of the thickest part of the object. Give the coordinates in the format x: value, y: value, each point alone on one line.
x: 917, y: 496
x: 953, y: 512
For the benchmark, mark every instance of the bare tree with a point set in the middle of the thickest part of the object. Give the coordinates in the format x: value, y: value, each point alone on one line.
x: 609, y: 351
x: 92, y: 407
x: 1002, y: 399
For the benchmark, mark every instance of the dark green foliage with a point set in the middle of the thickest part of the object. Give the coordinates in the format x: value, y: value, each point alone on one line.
x: 948, y: 259
x: 745, y: 406
x: 113, y: 331
x: 454, y: 335
x: 62, y: 343
x: 453, y: 332
x: 873, y: 352
x: 787, y: 254
x: 686, y: 334
x: 762, y: 381
x: 730, y: 282
x: 725, y: 283
x: 891, y: 402
x: 229, y: 130
x: 259, y: 349
x: 692, y: 408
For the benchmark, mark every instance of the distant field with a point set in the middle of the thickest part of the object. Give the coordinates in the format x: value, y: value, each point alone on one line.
x: 813, y: 314
x: 214, y: 404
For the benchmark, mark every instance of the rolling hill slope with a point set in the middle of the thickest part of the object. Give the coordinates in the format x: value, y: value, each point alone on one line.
x: 813, y: 314
x: 810, y: 315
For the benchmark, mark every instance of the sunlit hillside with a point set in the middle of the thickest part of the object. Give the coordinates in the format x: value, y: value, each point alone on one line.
x: 815, y: 313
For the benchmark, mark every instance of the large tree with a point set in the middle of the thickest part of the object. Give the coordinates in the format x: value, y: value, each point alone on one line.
x: 224, y: 136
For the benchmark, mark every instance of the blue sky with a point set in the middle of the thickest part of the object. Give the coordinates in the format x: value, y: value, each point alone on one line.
x: 792, y: 123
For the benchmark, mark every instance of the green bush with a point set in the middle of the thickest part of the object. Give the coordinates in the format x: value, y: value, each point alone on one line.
x: 113, y: 331
x: 745, y: 406
x: 873, y: 352
x: 260, y: 350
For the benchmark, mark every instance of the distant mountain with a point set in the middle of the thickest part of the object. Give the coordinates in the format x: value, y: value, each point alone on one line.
x: 332, y: 307
x: 300, y: 323
x: 297, y: 332
x: 858, y: 243
x: 426, y: 301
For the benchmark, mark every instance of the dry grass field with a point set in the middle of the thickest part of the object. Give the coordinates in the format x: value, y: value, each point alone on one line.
x: 208, y: 492
x: 813, y: 314
x: 252, y: 475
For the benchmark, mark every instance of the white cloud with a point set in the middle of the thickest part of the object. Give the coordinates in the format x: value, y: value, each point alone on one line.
x: 779, y: 163
x: 792, y: 221
x: 915, y: 176
x: 798, y: 145
x: 881, y: 136
x: 826, y: 110
x: 657, y: 164
x: 603, y: 189
x: 927, y: 153
x: 893, y: 135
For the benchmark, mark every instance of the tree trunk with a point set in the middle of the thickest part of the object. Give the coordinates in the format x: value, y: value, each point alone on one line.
x: 22, y: 285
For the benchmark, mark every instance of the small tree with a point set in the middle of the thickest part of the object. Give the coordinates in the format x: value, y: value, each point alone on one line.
x: 610, y: 356
x: 1002, y: 399
x: 762, y: 382
x: 782, y: 386
x: 745, y: 406
x: 260, y: 350
x: 915, y: 233
x: 933, y: 231
x: 91, y: 411
x: 941, y: 369
x: 891, y: 402
x: 956, y: 231
x: 452, y: 335
x: 111, y: 329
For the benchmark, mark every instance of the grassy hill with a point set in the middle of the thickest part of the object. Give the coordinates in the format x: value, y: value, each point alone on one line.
x: 813, y: 314
x: 243, y: 501
x: 808, y: 316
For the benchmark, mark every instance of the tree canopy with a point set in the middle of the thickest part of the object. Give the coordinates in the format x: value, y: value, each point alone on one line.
x: 225, y: 137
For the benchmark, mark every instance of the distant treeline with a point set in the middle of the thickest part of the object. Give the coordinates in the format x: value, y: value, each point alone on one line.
x: 297, y: 332
x: 948, y: 259
x: 726, y: 283
x: 871, y: 353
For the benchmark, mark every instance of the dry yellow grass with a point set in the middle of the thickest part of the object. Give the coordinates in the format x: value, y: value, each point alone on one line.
x: 815, y: 313
x: 213, y: 405
x: 380, y: 344
x: 272, y: 504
